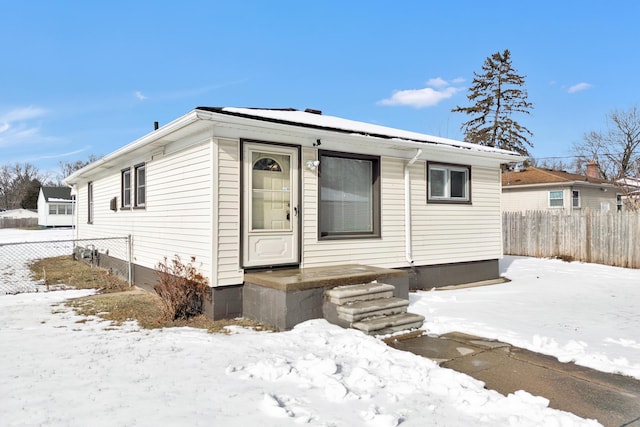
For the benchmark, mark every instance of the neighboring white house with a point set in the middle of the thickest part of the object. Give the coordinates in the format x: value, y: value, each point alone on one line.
x: 243, y: 189
x: 55, y: 207
x: 537, y: 189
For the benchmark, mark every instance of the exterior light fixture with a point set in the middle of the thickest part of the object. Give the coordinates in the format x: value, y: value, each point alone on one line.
x: 312, y: 164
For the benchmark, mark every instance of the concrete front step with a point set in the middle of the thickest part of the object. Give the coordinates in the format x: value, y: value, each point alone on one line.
x: 366, y: 291
x: 389, y: 324
x: 358, y: 310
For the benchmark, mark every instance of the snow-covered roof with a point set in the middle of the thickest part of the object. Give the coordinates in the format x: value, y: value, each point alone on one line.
x: 18, y: 213
x: 315, y: 119
x: 202, y: 118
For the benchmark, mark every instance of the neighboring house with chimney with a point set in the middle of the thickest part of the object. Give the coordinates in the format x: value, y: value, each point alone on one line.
x: 536, y: 189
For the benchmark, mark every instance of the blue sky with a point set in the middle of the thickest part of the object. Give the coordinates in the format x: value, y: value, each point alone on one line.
x: 87, y: 77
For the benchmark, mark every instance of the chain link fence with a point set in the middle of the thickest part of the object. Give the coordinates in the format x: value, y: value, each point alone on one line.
x: 113, y: 253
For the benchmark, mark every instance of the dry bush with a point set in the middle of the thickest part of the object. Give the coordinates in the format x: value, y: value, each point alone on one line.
x: 182, y: 289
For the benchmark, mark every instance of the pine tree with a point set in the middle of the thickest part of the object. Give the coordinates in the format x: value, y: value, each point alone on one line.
x: 496, y: 95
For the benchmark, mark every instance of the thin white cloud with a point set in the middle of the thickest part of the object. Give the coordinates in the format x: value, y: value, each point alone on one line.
x: 139, y: 95
x: 437, y: 82
x: 16, y: 125
x: 579, y: 87
x: 437, y: 90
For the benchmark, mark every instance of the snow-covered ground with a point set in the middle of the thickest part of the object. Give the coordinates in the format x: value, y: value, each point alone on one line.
x: 14, y: 274
x: 585, y: 313
x: 56, y: 369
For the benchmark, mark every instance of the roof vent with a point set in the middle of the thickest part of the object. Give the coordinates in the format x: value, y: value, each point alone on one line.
x: 312, y: 111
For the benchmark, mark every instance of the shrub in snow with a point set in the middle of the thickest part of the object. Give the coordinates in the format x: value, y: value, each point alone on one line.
x: 181, y: 288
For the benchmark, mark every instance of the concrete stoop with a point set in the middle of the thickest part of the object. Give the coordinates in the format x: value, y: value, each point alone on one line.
x: 369, y: 307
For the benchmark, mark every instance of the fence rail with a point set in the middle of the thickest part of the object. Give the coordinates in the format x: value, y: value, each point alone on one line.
x: 15, y: 275
x: 588, y: 236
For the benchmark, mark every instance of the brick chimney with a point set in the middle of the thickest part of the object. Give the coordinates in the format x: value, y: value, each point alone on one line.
x: 593, y: 170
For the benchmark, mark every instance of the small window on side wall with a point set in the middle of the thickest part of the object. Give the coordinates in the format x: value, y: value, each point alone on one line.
x: 448, y: 183
x: 90, y: 203
x: 141, y: 185
x: 556, y: 199
x: 125, y: 195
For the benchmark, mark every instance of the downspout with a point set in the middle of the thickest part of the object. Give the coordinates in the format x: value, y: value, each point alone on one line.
x: 407, y: 207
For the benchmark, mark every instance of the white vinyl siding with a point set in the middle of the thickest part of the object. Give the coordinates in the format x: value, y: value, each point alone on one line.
x: 441, y: 233
x: 228, y: 233
x: 178, y: 222
x: 556, y: 199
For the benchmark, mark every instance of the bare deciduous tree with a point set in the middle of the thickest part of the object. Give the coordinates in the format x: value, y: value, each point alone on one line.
x: 616, y: 150
x: 67, y: 168
x: 617, y: 153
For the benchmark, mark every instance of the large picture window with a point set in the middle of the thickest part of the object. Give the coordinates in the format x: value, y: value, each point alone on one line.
x: 449, y: 183
x: 349, y: 196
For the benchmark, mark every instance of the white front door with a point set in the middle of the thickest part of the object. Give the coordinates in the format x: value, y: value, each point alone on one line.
x: 270, y: 200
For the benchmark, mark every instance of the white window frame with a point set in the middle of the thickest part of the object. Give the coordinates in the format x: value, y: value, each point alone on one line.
x: 561, y: 198
x: 90, y: 202
x: 575, y: 196
x: 447, y: 197
x: 140, y: 187
x: 125, y: 188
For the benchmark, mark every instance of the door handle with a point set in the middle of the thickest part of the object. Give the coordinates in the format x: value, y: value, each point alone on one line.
x: 295, y: 211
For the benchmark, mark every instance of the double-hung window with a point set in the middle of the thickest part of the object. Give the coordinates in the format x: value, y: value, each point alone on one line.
x: 349, y: 196
x: 575, y: 199
x: 90, y: 203
x: 449, y: 183
x: 125, y: 195
x: 141, y: 185
x: 556, y: 199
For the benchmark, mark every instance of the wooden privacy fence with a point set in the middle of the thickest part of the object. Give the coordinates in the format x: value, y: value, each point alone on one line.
x: 18, y: 222
x: 604, y: 238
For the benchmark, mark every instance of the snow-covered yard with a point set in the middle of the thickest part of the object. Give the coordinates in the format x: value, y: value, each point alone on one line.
x: 56, y: 369
x: 586, y: 313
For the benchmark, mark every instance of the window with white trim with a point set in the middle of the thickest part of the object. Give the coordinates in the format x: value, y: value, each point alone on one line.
x: 90, y: 203
x: 141, y: 185
x: 60, y: 209
x: 575, y: 199
x: 556, y: 199
x: 125, y: 193
x: 349, y: 196
x: 448, y: 183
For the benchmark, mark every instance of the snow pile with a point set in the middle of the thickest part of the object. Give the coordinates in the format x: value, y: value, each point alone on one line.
x: 56, y: 369
x: 585, y: 313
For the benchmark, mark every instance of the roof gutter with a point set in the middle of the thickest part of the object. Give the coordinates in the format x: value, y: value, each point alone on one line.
x: 407, y: 207
x: 162, y: 132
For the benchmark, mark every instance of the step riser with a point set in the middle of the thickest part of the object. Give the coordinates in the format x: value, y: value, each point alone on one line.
x: 368, y: 308
x: 363, y: 297
x: 343, y: 294
x: 383, y: 325
x: 392, y: 329
x: 355, y: 317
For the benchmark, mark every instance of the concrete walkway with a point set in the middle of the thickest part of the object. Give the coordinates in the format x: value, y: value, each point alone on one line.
x: 613, y: 400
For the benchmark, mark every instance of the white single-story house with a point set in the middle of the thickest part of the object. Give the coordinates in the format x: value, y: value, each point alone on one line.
x: 540, y: 189
x: 242, y: 190
x: 55, y: 207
